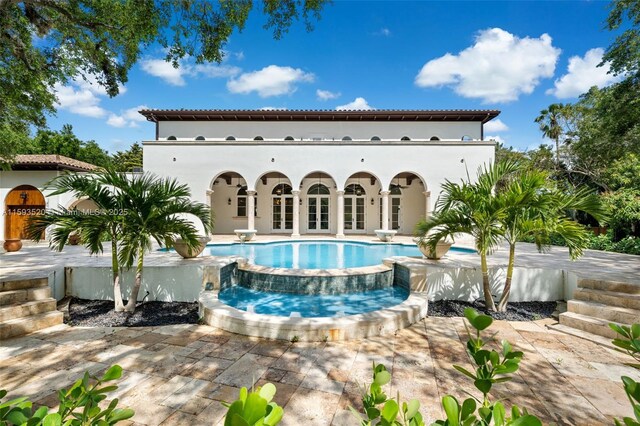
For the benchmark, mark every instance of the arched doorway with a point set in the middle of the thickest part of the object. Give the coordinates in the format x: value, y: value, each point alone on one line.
x: 354, y: 208
x: 281, y: 208
x: 22, y: 202
x: 318, y: 197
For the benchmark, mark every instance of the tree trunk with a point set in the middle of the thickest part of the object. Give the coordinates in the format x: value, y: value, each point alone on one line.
x: 488, y: 299
x: 504, y: 300
x: 133, y: 297
x: 115, y: 267
x: 557, y: 154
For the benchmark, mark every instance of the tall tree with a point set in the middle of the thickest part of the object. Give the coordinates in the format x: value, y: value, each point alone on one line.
x: 44, y: 43
x: 553, y: 121
x: 125, y: 161
x: 623, y: 54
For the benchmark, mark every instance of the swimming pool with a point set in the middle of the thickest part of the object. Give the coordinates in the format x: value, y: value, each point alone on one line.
x: 316, y: 254
x: 312, y: 306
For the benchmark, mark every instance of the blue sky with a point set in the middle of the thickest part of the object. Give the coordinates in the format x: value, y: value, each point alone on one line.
x: 515, y: 56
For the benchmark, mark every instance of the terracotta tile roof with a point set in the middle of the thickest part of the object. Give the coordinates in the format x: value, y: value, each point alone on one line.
x: 49, y: 162
x: 156, y: 115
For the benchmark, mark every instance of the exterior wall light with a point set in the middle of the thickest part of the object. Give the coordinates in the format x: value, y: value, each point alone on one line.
x: 229, y: 201
x: 273, y: 160
x: 373, y: 202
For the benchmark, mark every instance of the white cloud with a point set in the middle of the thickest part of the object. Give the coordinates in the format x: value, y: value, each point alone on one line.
x: 270, y: 108
x: 385, y: 32
x: 358, y: 104
x: 127, y: 118
x: 582, y: 74
x: 495, y: 138
x: 164, y: 70
x: 325, y: 95
x: 499, y: 67
x: 272, y: 80
x: 496, y: 126
x: 79, y: 100
x: 176, y: 76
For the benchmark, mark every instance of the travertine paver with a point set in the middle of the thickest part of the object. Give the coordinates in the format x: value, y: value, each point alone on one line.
x: 177, y: 375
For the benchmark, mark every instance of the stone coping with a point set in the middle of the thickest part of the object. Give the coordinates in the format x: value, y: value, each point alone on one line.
x: 375, y: 323
x: 364, y: 270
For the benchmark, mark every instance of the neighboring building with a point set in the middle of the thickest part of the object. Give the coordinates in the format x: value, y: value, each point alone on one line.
x: 309, y: 172
x: 23, y: 192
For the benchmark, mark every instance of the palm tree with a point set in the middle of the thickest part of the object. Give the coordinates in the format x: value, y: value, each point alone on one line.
x: 550, y: 125
x: 534, y: 209
x: 470, y: 208
x: 156, y: 209
x: 124, y: 203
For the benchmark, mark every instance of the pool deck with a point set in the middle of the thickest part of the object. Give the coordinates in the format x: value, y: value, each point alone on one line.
x: 37, y: 260
x: 177, y: 375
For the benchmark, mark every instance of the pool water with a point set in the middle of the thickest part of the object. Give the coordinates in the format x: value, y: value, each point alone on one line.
x: 316, y: 254
x: 311, y: 306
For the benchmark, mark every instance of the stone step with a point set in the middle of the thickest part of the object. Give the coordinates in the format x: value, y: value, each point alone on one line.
x: 23, y: 284
x: 587, y: 323
x: 617, y: 286
x: 21, y: 326
x: 602, y: 341
x: 605, y: 312
x: 25, y: 295
x: 25, y: 309
x: 612, y: 298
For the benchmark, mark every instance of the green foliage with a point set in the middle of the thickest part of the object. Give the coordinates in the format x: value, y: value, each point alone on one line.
x: 624, y: 53
x: 133, y: 211
x: 125, y: 161
x: 492, y: 367
x: 378, y: 409
x: 79, y: 405
x: 254, y: 408
x: 47, y: 43
x: 629, y: 342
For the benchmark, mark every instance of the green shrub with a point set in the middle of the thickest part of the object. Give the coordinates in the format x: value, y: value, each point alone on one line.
x: 254, y: 408
x: 78, y: 406
x: 629, y: 343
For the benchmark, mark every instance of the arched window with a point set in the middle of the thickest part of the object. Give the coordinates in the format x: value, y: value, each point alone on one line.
x: 231, y: 138
x: 199, y: 138
x: 434, y: 138
x: 354, y: 189
x: 282, y: 189
x: 318, y: 189
x: 395, y: 189
x: 347, y: 138
x: 289, y: 138
x: 375, y: 138
x: 241, y: 203
x: 405, y: 138
x: 171, y: 138
x: 258, y: 138
x: 467, y: 138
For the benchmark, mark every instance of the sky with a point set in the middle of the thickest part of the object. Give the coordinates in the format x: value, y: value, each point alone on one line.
x: 515, y: 56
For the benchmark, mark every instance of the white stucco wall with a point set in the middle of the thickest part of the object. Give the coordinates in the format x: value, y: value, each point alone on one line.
x: 198, y: 164
x: 38, y: 179
x: 424, y: 130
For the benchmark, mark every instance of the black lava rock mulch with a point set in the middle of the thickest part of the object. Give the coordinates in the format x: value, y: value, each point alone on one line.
x: 516, y: 311
x: 100, y: 313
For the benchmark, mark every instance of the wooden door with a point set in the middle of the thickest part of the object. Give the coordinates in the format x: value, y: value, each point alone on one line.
x: 21, y: 203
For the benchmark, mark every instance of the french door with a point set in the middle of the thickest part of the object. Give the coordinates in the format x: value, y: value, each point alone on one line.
x: 354, y: 219
x: 394, y: 213
x: 282, y: 213
x: 318, y: 214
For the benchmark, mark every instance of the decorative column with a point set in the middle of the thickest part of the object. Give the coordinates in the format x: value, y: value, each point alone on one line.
x: 427, y: 210
x: 210, y: 198
x: 251, y: 209
x: 385, y: 210
x: 296, y: 214
x: 340, y: 231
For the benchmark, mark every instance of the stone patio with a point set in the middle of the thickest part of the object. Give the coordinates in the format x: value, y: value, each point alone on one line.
x: 178, y: 375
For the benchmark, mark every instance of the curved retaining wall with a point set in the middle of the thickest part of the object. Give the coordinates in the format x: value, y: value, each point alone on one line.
x: 384, y: 321
x: 314, y: 281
